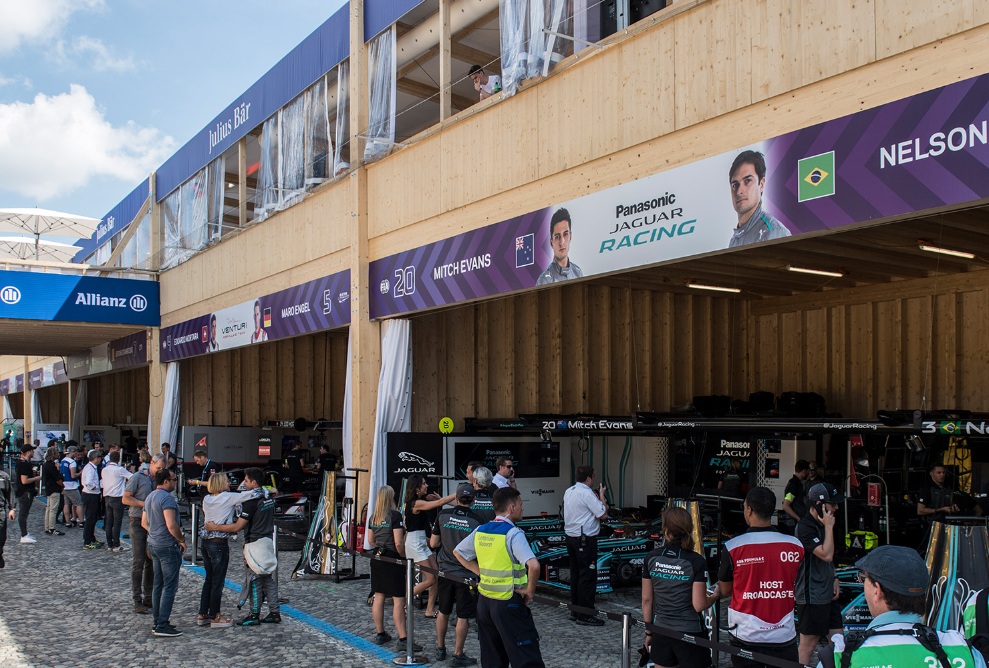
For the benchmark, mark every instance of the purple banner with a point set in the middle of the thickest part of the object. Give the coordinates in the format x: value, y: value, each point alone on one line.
x: 19, y: 383
x: 123, y: 353
x: 311, y: 307
x: 4, y: 387
x: 909, y: 156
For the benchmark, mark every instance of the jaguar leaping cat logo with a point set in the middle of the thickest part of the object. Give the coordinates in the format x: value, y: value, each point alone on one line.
x: 414, y: 458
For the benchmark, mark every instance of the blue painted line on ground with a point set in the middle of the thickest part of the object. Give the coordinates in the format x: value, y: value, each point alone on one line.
x: 356, y: 641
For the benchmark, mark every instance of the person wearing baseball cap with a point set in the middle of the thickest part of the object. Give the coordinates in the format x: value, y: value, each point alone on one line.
x: 452, y: 526
x: 26, y: 489
x: 816, y: 589
x: 895, y: 584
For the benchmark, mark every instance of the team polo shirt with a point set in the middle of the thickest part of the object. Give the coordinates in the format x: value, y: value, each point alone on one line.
x: 762, y: 565
x: 672, y: 572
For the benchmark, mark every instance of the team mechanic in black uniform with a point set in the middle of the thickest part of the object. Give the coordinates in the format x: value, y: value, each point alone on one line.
x: 794, y: 497
x: 676, y: 578
x: 816, y: 590
x: 452, y: 526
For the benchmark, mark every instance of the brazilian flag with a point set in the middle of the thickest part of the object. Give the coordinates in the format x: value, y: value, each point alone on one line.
x: 815, y: 176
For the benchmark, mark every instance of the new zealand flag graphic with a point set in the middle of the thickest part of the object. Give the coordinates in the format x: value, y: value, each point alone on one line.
x: 524, y: 251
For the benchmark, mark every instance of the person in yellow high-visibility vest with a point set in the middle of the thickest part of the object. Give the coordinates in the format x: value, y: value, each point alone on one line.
x: 497, y: 552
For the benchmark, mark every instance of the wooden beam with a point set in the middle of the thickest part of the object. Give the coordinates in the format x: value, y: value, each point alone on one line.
x: 446, y: 60
x: 470, y: 55
x: 476, y: 25
x: 425, y: 92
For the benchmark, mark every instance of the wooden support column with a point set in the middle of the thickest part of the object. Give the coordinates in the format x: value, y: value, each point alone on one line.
x: 156, y: 390
x: 157, y: 231
x: 242, y: 182
x: 446, y: 60
x: 28, y: 413
x: 365, y: 336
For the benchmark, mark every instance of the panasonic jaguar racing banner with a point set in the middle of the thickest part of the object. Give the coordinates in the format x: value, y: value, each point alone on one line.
x: 909, y: 156
x: 26, y: 295
x: 311, y: 307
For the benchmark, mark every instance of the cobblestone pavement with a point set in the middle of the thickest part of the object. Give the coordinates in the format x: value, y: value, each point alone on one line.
x: 61, y: 605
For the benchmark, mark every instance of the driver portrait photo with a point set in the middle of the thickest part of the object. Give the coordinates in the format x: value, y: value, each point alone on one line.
x: 747, y: 179
x: 560, y: 234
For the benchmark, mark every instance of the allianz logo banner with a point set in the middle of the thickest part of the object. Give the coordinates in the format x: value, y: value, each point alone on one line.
x: 27, y: 295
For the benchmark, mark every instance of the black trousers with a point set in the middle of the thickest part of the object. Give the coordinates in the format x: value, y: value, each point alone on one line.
x: 583, y: 554
x: 786, y: 651
x: 507, y: 634
x: 90, y: 508
x: 24, y: 502
x: 142, y: 567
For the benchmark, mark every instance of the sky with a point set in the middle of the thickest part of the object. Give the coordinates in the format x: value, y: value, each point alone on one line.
x: 96, y: 94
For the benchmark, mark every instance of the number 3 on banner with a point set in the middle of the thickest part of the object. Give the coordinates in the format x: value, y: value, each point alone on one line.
x: 405, y: 281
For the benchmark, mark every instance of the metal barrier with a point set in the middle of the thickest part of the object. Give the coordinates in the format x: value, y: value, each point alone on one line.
x: 626, y: 619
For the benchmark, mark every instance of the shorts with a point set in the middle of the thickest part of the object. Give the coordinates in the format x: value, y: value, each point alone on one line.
x: 451, y: 591
x: 417, y: 546
x: 786, y: 651
x: 671, y: 652
x: 73, y: 497
x: 388, y: 578
x: 817, y: 620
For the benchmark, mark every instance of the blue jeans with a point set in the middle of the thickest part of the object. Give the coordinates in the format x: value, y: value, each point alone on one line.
x: 167, y: 561
x: 216, y: 558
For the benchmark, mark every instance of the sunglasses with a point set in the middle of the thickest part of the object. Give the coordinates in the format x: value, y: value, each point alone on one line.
x: 862, y: 576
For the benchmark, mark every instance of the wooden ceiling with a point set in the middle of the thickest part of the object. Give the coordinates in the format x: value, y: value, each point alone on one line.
x: 43, y: 338
x: 866, y: 256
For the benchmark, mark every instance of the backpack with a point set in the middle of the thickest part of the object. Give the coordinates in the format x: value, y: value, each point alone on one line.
x: 975, y: 618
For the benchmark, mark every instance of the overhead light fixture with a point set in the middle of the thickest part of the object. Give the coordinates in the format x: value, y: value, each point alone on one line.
x: 715, y: 288
x: 925, y: 246
x: 815, y: 272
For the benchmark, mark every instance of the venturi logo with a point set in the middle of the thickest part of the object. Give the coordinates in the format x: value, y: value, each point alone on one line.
x: 138, y: 303
x: 10, y: 295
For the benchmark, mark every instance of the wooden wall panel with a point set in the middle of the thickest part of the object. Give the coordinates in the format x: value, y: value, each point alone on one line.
x: 525, y: 354
x: 54, y: 401
x: 900, y: 30
x: 113, y: 397
x: 281, y: 380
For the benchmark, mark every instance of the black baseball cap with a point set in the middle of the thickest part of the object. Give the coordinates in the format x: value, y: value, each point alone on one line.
x: 824, y: 492
x: 465, y: 492
x: 897, y: 568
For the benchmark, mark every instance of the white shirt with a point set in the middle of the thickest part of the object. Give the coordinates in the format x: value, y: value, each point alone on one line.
x: 500, y: 480
x: 115, y: 478
x: 90, y: 479
x: 582, y: 510
x: 493, y: 85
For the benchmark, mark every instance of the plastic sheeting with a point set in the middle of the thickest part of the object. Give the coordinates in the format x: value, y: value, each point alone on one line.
x: 318, y: 144
x: 169, y: 432
x: 137, y: 252
x: 8, y: 412
x: 292, y: 152
x: 526, y: 50
x: 347, y: 428
x: 394, y: 410
x: 186, y: 214
x: 382, y: 93
x: 267, y: 193
x: 80, y: 411
x: 341, y: 161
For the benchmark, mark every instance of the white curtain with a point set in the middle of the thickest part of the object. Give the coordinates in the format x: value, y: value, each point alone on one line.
x: 347, y: 430
x: 36, y: 417
x: 394, y: 410
x: 341, y: 163
x: 80, y: 411
x: 381, y: 111
x: 8, y: 412
x: 169, y: 432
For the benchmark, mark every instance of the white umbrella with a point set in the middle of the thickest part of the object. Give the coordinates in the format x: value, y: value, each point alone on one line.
x: 43, y: 221
x: 27, y: 248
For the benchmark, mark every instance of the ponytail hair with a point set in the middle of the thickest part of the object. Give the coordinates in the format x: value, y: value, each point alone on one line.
x: 678, y: 526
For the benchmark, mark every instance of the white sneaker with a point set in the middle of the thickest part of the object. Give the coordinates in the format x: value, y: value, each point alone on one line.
x: 28, y: 539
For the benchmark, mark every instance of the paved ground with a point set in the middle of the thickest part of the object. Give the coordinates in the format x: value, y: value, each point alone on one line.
x: 61, y: 605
